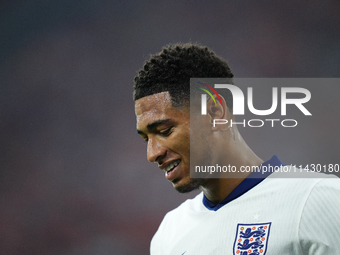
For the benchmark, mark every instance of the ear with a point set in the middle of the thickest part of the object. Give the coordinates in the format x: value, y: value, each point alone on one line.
x: 218, y: 111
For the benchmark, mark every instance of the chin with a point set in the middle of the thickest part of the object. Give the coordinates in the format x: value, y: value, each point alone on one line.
x: 191, y: 185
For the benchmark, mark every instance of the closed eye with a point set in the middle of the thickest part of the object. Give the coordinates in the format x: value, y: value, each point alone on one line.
x: 166, y: 132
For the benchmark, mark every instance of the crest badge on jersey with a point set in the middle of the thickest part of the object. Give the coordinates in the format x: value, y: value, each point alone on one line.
x: 251, y: 239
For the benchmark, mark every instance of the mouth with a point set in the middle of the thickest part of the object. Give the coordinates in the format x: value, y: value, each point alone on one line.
x: 171, y: 167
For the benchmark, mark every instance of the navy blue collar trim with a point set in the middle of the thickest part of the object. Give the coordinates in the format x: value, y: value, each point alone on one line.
x: 251, y: 181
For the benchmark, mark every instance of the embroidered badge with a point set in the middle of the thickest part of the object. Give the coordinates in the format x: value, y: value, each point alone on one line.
x: 251, y: 239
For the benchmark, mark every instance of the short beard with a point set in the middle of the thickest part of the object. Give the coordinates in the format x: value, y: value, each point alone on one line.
x: 194, y: 184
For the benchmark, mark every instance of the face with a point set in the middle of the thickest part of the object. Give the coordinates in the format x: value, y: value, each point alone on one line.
x: 166, y: 130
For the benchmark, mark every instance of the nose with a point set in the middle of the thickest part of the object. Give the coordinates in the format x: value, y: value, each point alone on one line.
x: 155, y: 151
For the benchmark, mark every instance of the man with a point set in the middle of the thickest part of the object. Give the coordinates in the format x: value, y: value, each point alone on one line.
x: 240, y: 215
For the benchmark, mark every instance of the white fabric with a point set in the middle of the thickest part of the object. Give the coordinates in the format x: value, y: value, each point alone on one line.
x: 304, y: 216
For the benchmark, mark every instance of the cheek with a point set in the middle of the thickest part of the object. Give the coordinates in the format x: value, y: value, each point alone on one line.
x: 181, y: 142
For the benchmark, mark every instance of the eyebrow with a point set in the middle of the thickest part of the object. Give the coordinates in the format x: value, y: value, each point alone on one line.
x: 154, y: 124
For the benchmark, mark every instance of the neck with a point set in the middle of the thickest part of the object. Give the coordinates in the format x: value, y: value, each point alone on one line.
x: 238, y: 154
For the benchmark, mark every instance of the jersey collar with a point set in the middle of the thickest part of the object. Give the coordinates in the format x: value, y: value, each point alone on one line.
x: 248, y: 183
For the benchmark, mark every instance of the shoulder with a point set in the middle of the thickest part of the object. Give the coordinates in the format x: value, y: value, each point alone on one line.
x: 325, y: 194
x: 320, y: 222
x: 290, y: 175
x: 175, y: 223
x: 324, y: 197
x: 296, y: 195
x: 296, y: 180
x: 189, y: 206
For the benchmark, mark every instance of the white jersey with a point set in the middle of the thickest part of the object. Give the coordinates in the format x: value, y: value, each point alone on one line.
x: 275, y: 216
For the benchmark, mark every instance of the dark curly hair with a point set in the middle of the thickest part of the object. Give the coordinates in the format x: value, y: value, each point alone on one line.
x: 171, y: 70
